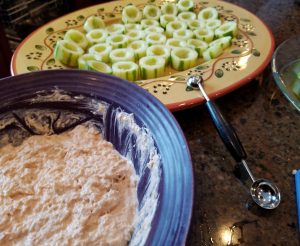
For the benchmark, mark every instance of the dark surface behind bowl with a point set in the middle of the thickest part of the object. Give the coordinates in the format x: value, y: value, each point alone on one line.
x: 173, y: 215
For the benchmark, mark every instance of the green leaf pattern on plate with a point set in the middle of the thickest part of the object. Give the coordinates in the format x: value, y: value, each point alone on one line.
x: 245, y: 20
x: 33, y: 68
x: 49, y: 30
x: 177, y: 78
x: 202, y: 67
x: 227, y: 11
x: 188, y: 88
x: 100, y: 10
x: 110, y: 15
x: 50, y: 62
x: 250, y: 33
x: 40, y: 47
x: 255, y: 52
x: 80, y: 18
x: 219, y: 73
x: 238, y: 51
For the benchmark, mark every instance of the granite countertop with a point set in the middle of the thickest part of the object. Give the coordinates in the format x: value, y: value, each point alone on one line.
x: 269, y: 128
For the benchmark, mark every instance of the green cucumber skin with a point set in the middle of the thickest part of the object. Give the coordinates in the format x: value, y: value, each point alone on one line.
x: 181, y: 66
x: 69, y: 59
x: 155, y: 73
x: 296, y: 87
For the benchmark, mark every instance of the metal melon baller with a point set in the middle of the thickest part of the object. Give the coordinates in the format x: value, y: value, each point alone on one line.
x: 263, y: 191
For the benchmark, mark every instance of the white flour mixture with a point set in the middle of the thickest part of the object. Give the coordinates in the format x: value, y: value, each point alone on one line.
x: 68, y: 189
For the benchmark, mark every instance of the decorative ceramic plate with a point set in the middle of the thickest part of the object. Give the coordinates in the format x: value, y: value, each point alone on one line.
x: 249, y: 54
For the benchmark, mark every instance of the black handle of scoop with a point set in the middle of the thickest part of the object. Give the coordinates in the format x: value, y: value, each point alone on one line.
x: 226, y: 131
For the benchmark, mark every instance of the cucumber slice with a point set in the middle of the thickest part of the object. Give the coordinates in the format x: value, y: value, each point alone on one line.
x: 183, y: 58
x: 154, y: 29
x: 186, y: 16
x: 195, y: 24
x: 139, y: 48
x: 151, y: 12
x: 204, y: 34
x: 103, y: 50
x: 130, y: 27
x: 76, y: 37
x: 147, y: 23
x: 198, y: 45
x: 225, y: 42
x: 134, y: 35
x: 296, y: 87
x: 117, y: 41
x: 176, y: 43
x: 131, y: 14
x: 229, y: 28
x: 169, y: 9
x: 175, y: 25
x: 155, y: 38
x: 67, y: 52
x: 82, y: 59
x: 212, y: 52
x: 160, y: 50
x: 152, y: 67
x: 183, y: 34
x: 213, y: 24
x: 208, y: 13
x: 186, y: 5
x: 126, y: 70
x: 96, y: 36
x: 165, y: 19
x: 121, y: 55
x: 115, y: 29
x: 93, y: 22
x: 98, y: 66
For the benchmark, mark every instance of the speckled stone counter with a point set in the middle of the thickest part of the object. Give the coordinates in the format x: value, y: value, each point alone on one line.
x: 269, y: 128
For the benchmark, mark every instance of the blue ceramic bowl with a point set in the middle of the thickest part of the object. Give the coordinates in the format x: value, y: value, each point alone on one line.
x: 171, y: 221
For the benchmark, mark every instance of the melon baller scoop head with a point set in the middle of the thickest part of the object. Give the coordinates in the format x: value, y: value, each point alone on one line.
x: 263, y: 191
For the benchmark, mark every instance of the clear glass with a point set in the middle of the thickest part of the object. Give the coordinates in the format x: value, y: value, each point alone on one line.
x: 286, y: 55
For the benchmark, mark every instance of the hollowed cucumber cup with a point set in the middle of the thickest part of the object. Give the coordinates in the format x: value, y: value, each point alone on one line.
x: 152, y: 67
x: 93, y: 22
x: 67, y: 52
x: 117, y: 41
x: 139, y: 48
x: 175, y: 25
x: 103, y: 50
x: 96, y: 36
x: 198, y: 45
x: 155, y: 38
x: 131, y: 14
x: 82, y: 59
x: 126, y: 69
x: 229, y: 28
x: 183, y: 58
x: 76, y: 37
x: 169, y: 9
x: 207, y: 14
x: 121, y: 55
x: 186, y: 5
x: 151, y: 12
x: 98, y: 66
x: 160, y: 50
x: 204, y: 34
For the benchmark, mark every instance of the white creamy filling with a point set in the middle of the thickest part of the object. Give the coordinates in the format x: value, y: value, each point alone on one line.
x: 68, y: 189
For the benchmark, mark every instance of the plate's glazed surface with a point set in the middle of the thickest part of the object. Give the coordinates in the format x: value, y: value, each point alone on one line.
x: 249, y: 54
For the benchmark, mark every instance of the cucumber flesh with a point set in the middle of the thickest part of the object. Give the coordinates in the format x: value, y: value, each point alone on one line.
x: 207, y: 14
x: 147, y: 23
x: 160, y: 50
x: 229, y: 28
x: 155, y: 38
x: 186, y: 5
x: 98, y: 66
x: 212, y: 52
x: 204, y: 34
x: 129, y: 27
x: 169, y: 9
x: 151, y: 12
x: 152, y: 67
x: 154, y: 29
x: 117, y: 41
x: 183, y: 58
x: 67, y: 52
x: 213, y: 24
x: 139, y: 48
x: 131, y: 14
x: 82, y: 59
x: 174, y: 25
x: 134, y: 35
x: 93, y: 22
x: 198, y: 45
x: 115, y: 29
x: 96, y: 36
x: 165, y: 19
x: 76, y: 37
x: 103, y: 50
x: 185, y: 34
x: 225, y: 42
x: 195, y: 24
x: 296, y: 86
x: 187, y: 16
x: 175, y: 43
x: 121, y: 55
x: 126, y: 69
